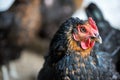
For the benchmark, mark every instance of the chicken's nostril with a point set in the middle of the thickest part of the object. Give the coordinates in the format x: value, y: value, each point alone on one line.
x: 96, y: 34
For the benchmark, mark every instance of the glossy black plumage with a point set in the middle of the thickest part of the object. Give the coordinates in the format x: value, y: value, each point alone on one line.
x: 64, y: 63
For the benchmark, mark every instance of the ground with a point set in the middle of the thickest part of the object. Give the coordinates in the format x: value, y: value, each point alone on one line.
x: 28, y: 65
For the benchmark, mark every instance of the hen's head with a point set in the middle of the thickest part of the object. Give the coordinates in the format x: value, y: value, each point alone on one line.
x: 77, y: 35
x: 86, y: 34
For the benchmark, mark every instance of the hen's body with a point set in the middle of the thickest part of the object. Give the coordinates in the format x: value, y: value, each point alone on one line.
x: 67, y: 61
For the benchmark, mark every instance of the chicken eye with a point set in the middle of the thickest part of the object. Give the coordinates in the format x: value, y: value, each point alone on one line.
x: 82, y: 29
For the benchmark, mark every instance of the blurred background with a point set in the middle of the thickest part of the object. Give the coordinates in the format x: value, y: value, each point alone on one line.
x: 27, y: 27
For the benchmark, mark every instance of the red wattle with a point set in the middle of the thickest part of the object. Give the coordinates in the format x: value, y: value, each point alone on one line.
x: 87, y: 44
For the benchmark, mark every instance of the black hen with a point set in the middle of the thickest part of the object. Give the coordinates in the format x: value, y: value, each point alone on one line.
x: 70, y: 56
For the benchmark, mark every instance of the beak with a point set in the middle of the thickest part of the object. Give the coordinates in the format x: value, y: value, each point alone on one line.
x: 97, y: 38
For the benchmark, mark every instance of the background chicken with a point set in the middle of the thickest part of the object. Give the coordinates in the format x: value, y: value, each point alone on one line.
x: 70, y: 56
x: 109, y: 34
x: 18, y: 27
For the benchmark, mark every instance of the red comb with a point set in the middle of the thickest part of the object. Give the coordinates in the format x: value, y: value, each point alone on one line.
x: 92, y: 23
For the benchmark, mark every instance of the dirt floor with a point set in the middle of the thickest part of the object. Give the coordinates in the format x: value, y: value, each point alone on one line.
x: 28, y: 66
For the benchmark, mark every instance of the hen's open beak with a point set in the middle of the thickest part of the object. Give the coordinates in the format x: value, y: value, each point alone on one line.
x: 97, y: 38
